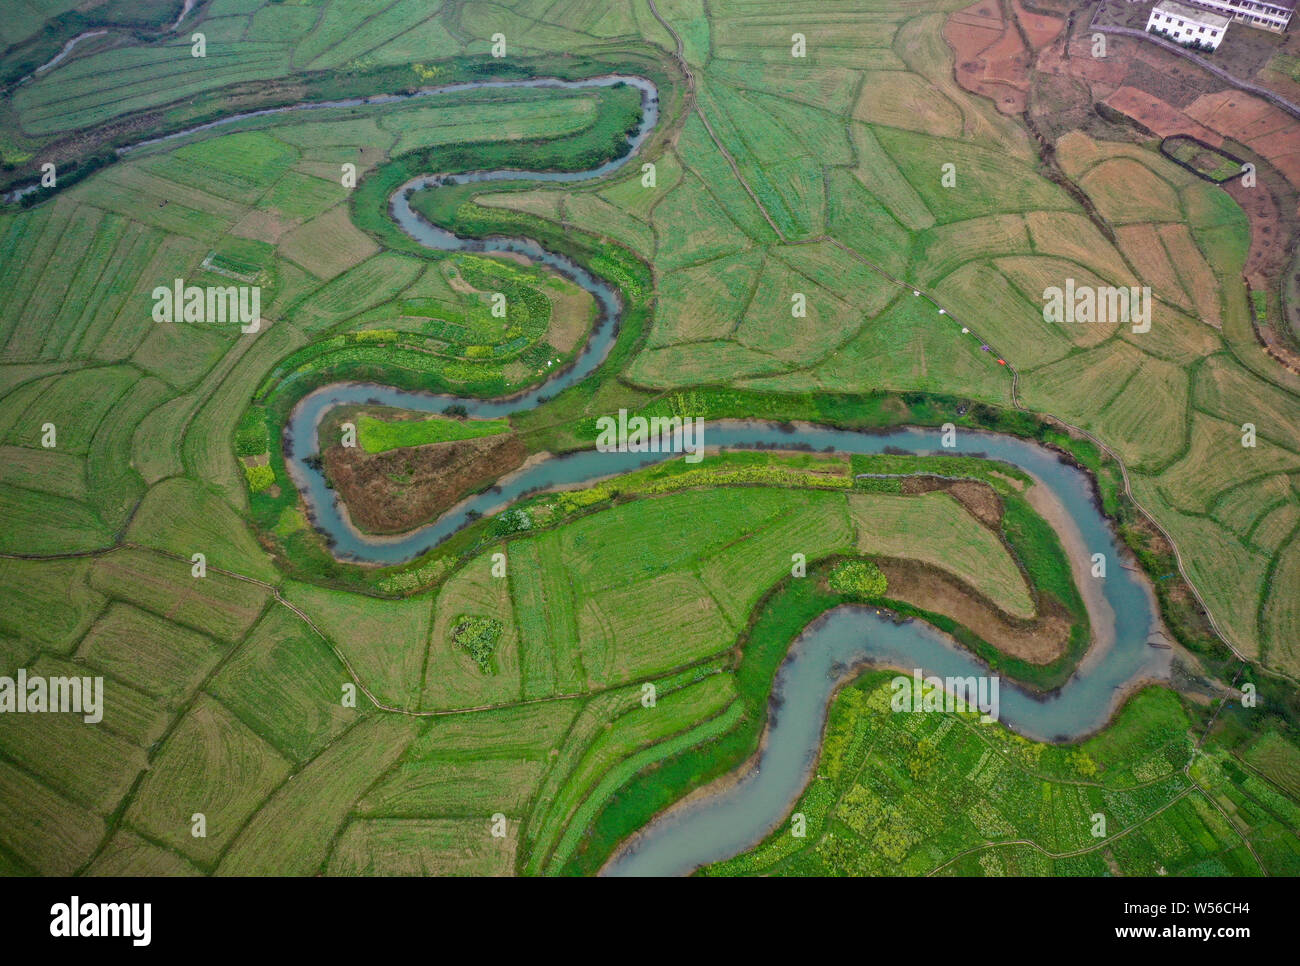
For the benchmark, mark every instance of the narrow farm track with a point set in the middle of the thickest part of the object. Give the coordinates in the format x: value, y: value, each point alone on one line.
x: 699, y: 112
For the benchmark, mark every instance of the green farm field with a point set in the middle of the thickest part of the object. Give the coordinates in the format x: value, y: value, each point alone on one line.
x: 786, y: 245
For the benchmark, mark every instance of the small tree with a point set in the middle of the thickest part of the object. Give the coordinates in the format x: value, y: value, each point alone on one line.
x: 259, y: 477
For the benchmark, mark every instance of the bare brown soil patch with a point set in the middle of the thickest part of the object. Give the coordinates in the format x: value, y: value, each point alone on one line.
x: 1269, y: 248
x: 401, y: 489
x: 262, y: 225
x: 980, y: 500
x: 458, y: 284
x: 1158, y: 116
x: 1040, y: 28
x: 1039, y: 641
x: 1151, y: 537
x: 1011, y: 481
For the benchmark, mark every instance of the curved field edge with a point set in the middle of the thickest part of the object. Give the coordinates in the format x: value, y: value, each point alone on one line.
x: 691, y: 768
x: 489, y: 221
x: 565, y: 424
x: 783, y: 616
x: 1269, y: 605
x: 562, y: 424
x: 88, y: 149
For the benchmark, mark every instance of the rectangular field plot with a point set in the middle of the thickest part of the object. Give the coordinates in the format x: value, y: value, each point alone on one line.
x: 452, y: 679
x: 216, y: 603
x: 286, y: 684
x: 45, y: 523
x: 213, y: 765
x: 291, y: 834
x: 48, y: 603
x: 384, y: 640
x: 126, y: 854
x: 45, y: 831
x: 649, y: 627
x: 86, y: 763
x: 422, y: 847
x: 815, y: 525
x: 152, y: 654
x: 459, y: 789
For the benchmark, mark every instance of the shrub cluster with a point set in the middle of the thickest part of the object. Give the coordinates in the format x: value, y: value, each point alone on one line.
x: 860, y: 578
x: 478, y: 636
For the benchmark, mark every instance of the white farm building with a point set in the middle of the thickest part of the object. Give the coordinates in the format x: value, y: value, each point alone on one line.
x: 1274, y: 15
x: 1187, y: 25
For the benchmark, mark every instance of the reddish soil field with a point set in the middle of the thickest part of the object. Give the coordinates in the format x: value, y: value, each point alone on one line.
x: 991, y: 59
x: 1160, y: 90
x: 1039, y: 28
x: 980, y: 499
x: 1155, y: 115
x: 1268, y: 244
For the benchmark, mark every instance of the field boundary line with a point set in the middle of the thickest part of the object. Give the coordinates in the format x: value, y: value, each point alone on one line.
x: 695, y: 105
x: 380, y: 705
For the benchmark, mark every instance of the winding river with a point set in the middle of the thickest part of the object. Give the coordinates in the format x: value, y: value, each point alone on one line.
x: 715, y: 825
x: 731, y: 817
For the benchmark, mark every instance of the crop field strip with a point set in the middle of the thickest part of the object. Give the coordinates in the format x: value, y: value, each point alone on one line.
x: 141, y: 78
x: 771, y: 215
